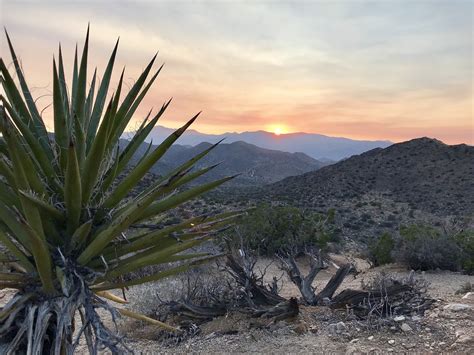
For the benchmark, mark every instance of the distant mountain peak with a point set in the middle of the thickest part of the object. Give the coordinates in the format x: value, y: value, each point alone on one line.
x: 317, y: 146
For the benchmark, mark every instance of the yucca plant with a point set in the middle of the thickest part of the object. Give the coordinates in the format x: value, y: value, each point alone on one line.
x: 66, y: 207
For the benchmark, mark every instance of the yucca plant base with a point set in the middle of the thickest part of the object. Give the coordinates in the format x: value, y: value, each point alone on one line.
x: 65, y: 213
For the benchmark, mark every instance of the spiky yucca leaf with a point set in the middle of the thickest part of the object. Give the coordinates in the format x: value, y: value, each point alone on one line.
x: 65, y: 200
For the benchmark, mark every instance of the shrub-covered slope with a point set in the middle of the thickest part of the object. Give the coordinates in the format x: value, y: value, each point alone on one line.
x: 424, y: 173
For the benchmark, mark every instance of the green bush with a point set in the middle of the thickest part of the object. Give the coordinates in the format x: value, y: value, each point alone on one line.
x: 268, y: 229
x: 465, y: 240
x: 426, y: 248
x: 381, y: 250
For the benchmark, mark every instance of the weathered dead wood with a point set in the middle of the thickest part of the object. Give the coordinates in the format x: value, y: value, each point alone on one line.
x: 335, y: 281
x: 304, y: 283
x: 351, y: 298
x: 188, y: 310
x: 257, y: 294
x: 283, y: 310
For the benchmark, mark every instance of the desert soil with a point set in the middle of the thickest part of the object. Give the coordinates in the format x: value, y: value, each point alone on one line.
x: 317, y: 329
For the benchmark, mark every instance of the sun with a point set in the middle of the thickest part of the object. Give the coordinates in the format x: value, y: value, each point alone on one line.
x: 278, y: 131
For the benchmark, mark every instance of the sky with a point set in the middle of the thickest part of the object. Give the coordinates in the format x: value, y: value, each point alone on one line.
x: 390, y: 69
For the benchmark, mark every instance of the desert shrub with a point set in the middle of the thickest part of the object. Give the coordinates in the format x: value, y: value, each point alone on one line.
x: 426, y: 248
x: 268, y: 229
x: 67, y: 203
x: 465, y: 240
x: 381, y: 250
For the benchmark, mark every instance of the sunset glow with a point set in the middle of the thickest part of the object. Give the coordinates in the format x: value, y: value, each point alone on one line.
x: 391, y: 70
x: 277, y: 129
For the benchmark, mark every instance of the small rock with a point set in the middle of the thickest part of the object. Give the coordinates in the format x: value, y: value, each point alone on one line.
x: 313, y: 329
x: 391, y: 341
x: 300, y: 328
x: 416, y: 318
x: 457, y: 307
x: 399, y: 318
x: 370, y: 338
x: 210, y: 335
x: 337, y: 328
x: 465, y: 339
x: 464, y: 336
x: 468, y: 296
x: 405, y: 327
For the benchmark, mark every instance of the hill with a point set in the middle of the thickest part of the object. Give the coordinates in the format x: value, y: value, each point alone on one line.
x: 256, y: 166
x: 317, y: 146
x: 382, y: 188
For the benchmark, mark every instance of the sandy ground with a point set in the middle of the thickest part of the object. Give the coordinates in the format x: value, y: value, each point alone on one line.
x: 438, y: 331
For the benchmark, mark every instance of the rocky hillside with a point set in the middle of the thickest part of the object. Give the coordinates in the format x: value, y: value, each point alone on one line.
x: 424, y: 173
x: 377, y: 191
x: 256, y: 166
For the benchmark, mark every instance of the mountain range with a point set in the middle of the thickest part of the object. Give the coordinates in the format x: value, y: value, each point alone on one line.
x: 317, y: 146
x: 254, y: 165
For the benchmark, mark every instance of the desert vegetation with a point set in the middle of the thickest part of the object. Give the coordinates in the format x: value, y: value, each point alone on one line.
x: 102, y: 236
x: 65, y: 208
x: 425, y: 247
x: 269, y: 229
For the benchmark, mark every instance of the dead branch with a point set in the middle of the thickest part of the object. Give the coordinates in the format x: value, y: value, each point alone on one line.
x: 335, y: 281
x: 304, y: 283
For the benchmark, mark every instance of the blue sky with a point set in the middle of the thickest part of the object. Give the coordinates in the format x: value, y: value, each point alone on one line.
x: 376, y: 70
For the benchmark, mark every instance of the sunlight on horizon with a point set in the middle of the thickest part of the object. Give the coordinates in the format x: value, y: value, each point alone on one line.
x: 339, y: 69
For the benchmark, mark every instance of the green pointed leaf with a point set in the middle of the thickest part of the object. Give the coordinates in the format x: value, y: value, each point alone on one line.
x: 72, y: 190
x: 17, y: 253
x: 79, y: 237
x: 75, y: 76
x: 42, y: 259
x: 187, y: 165
x: 138, y: 139
x: 140, y: 170
x: 80, y: 92
x: 44, y: 206
x: 95, y: 158
x: 40, y: 128
x: 125, y: 120
x: 63, y: 90
x: 173, y: 201
x: 89, y: 102
x: 61, y: 130
x: 34, y: 146
x: 11, y: 221
x: 100, y: 100
x: 155, y: 277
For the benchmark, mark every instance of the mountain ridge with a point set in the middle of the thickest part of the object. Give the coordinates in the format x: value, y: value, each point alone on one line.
x: 423, y: 172
x: 255, y: 165
x: 315, y: 145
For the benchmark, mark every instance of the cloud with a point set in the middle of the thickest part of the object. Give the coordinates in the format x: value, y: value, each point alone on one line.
x: 349, y: 68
